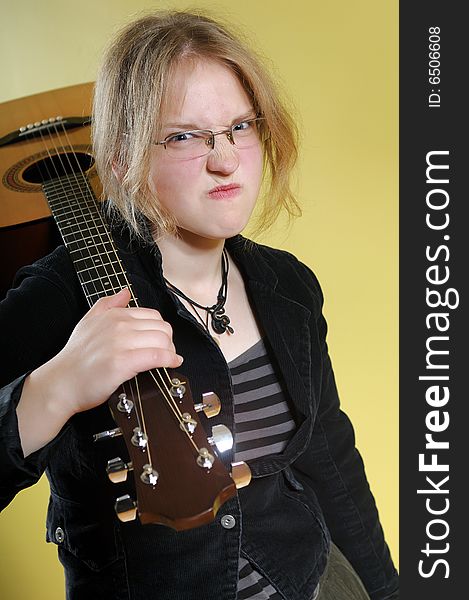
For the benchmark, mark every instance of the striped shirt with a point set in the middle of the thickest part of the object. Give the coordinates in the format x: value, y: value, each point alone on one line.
x: 263, y: 426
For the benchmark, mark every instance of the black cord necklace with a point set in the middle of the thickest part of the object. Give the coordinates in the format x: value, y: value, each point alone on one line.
x: 220, y: 321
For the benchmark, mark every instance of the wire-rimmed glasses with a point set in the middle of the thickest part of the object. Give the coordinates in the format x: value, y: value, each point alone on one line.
x: 199, y: 142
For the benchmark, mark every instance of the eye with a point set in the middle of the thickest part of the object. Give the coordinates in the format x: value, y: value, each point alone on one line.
x: 243, y: 126
x: 184, y: 136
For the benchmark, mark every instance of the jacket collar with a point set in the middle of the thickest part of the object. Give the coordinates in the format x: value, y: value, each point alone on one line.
x: 285, y: 321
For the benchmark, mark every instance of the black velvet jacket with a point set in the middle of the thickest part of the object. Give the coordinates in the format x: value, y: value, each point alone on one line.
x: 284, y: 520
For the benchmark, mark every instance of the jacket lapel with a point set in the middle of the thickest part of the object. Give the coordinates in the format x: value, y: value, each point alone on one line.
x: 286, y: 325
x: 285, y: 321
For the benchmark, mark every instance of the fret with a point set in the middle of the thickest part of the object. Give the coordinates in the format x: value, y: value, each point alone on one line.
x: 62, y: 215
x: 62, y: 200
x: 95, y: 295
x: 74, y: 190
x: 79, y: 246
x: 94, y: 274
x: 91, y: 231
x: 112, y: 283
x: 92, y: 260
x: 90, y: 256
x: 100, y: 273
x: 81, y: 224
x: 76, y: 207
x: 72, y: 194
x: 89, y: 262
x: 86, y: 236
x: 82, y: 221
x: 75, y: 210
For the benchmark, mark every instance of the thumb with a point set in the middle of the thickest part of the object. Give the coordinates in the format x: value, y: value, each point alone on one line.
x: 119, y: 300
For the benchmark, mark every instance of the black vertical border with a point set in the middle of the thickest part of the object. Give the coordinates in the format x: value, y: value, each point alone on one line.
x: 424, y: 129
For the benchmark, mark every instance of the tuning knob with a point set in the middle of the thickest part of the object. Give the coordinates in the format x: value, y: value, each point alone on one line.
x: 188, y: 423
x: 139, y: 438
x: 125, y: 405
x: 221, y: 438
x: 117, y: 469
x: 149, y: 475
x: 107, y: 435
x: 205, y: 459
x: 178, y: 389
x: 210, y: 404
x: 125, y: 508
x: 241, y: 474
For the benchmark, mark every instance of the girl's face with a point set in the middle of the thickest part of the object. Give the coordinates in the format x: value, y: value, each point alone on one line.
x: 212, y: 196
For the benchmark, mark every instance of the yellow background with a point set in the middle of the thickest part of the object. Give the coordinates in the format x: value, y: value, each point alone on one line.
x: 338, y: 62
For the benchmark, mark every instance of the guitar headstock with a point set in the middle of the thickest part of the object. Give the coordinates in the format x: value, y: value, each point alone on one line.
x: 179, y: 477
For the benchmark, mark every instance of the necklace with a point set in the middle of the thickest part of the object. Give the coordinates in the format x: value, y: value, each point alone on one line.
x: 220, y: 321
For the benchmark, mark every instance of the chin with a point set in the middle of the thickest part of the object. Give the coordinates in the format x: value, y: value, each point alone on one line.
x: 229, y: 232
x: 216, y: 229
x: 219, y: 232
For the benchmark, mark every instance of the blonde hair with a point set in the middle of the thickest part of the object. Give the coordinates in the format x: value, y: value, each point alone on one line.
x: 129, y: 95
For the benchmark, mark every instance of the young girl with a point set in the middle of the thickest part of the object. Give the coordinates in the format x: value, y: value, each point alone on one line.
x: 186, y: 125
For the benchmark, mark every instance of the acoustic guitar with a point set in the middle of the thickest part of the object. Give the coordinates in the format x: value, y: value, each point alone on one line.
x: 47, y: 167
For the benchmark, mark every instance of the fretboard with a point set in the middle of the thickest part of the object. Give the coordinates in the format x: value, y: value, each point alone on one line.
x: 86, y: 236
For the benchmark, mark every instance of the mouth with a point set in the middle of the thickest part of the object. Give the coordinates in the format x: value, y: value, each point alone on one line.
x: 221, y: 192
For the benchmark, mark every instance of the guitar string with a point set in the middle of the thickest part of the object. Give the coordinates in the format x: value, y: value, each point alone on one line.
x: 92, y: 263
x: 51, y: 190
x: 111, y: 243
x: 68, y: 190
x: 165, y: 392
x: 60, y: 185
x: 53, y: 186
x: 172, y: 403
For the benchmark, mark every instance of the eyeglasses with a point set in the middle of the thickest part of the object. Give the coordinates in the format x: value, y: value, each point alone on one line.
x: 199, y: 142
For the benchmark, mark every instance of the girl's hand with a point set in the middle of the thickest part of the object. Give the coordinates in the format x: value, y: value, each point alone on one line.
x: 111, y: 344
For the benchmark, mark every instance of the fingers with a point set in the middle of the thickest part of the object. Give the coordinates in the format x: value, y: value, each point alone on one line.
x: 146, y: 359
x: 119, y: 300
x: 110, y: 345
x: 151, y: 337
x: 116, y: 330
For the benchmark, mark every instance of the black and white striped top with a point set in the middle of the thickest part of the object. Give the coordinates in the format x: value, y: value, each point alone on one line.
x: 263, y: 426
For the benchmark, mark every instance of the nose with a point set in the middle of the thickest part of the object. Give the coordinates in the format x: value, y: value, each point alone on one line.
x: 224, y: 156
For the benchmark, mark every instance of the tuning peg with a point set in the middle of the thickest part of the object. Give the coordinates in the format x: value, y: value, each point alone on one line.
x: 125, y: 508
x: 205, y: 459
x: 117, y: 469
x: 124, y: 405
x: 241, y: 474
x: 188, y: 423
x: 210, y: 404
x: 149, y: 475
x: 107, y: 435
x: 178, y: 389
x: 221, y: 438
x: 139, y: 438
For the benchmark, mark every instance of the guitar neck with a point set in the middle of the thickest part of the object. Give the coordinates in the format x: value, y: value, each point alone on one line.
x: 86, y: 236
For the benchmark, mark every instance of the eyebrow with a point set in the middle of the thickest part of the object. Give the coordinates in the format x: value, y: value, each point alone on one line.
x: 192, y: 126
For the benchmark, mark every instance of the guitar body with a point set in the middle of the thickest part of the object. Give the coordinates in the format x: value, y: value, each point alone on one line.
x: 27, y: 231
x: 22, y: 201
